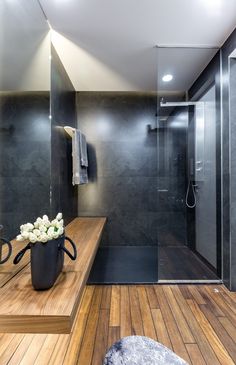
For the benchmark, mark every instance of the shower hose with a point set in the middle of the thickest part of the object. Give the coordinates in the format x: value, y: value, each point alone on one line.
x: 189, y: 205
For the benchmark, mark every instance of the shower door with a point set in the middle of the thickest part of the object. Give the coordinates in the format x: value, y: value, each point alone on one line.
x: 188, y: 165
x: 206, y: 190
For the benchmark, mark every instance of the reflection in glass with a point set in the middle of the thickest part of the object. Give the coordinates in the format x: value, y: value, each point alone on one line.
x: 24, y: 114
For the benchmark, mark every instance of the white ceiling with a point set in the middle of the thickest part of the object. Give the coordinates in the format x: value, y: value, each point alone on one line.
x: 109, y: 44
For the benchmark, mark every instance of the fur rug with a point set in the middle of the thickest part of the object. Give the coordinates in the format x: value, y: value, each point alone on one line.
x: 139, y: 350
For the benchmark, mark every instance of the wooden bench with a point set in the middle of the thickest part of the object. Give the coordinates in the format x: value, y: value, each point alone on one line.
x: 22, y: 309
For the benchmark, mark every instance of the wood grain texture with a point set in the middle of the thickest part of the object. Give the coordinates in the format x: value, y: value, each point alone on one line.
x: 79, y: 327
x: 179, y: 317
x: 136, y: 319
x: 195, y: 354
x: 125, y: 317
x: 94, y: 331
x: 8, y: 270
x: 54, y: 310
x: 88, y: 342
x: 115, y: 306
x: 171, y: 325
x: 161, y: 330
x: 146, y: 314
x: 216, y: 344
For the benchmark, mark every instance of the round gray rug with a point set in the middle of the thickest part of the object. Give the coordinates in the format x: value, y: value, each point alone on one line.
x: 140, y: 350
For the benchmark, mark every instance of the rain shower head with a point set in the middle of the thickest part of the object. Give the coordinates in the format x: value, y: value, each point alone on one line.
x: 180, y: 103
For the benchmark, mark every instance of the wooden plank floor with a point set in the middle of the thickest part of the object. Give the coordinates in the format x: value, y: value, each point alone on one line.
x: 197, y: 322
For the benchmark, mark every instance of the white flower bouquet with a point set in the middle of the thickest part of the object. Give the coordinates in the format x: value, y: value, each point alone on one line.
x: 47, y: 248
x: 42, y: 230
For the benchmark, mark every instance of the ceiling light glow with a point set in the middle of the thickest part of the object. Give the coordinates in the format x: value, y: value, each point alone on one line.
x: 167, y: 78
x: 214, y: 7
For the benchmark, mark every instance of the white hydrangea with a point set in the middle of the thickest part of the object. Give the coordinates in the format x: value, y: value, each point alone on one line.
x: 50, y: 232
x: 43, y: 230
x: 36, y: 224
x: 46, y: 221
x: 25, y: 234
x: 30, y: 226
x: 47, y: 224
x: 43, y: 238
x: 59, y: 216
x: 32, y: 238
x: 39, y: 220
x: 36, y: 232
x: 60, y: 223
x: 60, y: 231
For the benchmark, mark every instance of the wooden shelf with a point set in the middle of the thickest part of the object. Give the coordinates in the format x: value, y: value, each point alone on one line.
x: 24, y: 310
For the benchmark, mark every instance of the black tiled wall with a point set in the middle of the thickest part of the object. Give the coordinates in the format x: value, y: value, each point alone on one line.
x: 127, y: 168
x: 36, y: 153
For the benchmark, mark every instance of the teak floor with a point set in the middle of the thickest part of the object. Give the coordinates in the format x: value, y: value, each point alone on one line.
x: 197, y: 322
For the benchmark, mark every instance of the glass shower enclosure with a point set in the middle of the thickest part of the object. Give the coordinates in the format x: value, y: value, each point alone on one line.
x: 158, y: 173
x: 188, y: 164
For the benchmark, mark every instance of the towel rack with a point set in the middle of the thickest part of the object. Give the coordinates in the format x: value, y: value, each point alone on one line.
x: 69, y: 130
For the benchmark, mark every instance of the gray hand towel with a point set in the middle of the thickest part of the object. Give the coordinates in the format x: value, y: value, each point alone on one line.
x: 83, y: 150
x: 80, y: 173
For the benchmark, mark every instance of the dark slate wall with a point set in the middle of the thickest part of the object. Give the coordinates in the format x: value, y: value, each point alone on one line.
x: 24, y: 158
x: 35, y: 153
x: 63, y: 112
x: 122, y: 165
x: 229, y: 117
x: 128, y: 170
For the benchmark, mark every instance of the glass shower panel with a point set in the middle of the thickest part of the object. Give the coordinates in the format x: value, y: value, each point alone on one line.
x: 206, y: 179
x: 122, y: 143
x: 188, y: 132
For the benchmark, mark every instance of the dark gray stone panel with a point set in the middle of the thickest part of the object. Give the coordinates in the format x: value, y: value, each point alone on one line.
x: 128, y: 168
x: 233, y: 168
x: 63, y: 110
x: 24, y: 159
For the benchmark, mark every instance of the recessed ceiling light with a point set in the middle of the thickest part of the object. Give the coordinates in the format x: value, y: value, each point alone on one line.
x: 167, y: 78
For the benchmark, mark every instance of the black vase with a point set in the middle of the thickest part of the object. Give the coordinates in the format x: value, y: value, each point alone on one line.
x: 47, y: 260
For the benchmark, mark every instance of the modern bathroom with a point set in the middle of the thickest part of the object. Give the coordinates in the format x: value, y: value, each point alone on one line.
x: 152, y: 224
